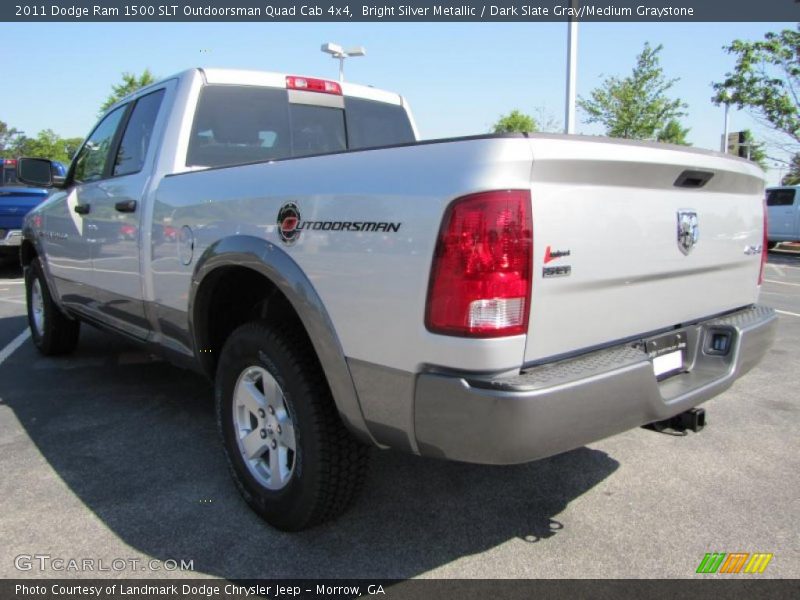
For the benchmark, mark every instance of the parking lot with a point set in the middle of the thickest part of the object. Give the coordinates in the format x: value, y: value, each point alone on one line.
x: 110, y: 454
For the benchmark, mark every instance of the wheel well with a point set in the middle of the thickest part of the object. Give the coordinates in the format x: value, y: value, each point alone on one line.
x: 27, y: 253
x: 230, y: 297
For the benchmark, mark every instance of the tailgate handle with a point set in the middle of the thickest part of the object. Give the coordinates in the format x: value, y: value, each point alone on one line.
x: 693, y: 179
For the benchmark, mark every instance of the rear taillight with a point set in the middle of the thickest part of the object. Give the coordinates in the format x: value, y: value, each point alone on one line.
x: 309, y: 84
x: 481, y: 276
x: 764, y: 250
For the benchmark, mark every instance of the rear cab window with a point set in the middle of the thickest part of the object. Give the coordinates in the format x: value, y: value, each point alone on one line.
x: 8, y: 172
x: 781, y: 197
x: 237, y: 124
x: 372, y: 124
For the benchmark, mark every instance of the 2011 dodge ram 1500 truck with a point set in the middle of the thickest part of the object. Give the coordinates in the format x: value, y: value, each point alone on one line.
x: 493, y: 299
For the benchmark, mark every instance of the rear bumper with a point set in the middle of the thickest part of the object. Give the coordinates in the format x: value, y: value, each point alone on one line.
x: 557, y: 407
x: 10, y: 240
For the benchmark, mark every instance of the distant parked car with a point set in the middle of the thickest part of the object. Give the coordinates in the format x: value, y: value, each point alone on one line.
x: 783, y: 214
x: 16, y: 201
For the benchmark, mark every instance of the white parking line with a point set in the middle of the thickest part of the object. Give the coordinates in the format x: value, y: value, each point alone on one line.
x: 780, y: 268
x: 786, y: 312
x: 13, y: 301
x: 16, y: 343
x: 782, y: 282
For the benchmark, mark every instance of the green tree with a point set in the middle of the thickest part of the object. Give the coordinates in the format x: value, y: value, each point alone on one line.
x: 515, y: 122
x: 130, y: 83
x: 46, y: 144
x: 673, y: 133
x: 8, y: 140
x: 766, y: 80
x: 71, y: 146
x: 637, y: 106
x: 793, y: 176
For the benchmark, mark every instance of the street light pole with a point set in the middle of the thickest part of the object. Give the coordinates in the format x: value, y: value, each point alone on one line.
x: 725, y: 135
x: 336, y: 51
x: 572, y: 70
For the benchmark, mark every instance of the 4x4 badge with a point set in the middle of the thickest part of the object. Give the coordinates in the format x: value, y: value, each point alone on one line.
x: 688, y: 230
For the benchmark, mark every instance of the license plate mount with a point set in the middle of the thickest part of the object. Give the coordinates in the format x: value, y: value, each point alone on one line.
x: 667, y: 354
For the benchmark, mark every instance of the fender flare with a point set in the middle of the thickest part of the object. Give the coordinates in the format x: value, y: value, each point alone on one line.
x: 282, y: 271
x: 29, y: 237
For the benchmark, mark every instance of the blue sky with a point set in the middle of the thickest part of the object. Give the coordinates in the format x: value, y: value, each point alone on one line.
x: 458, y: 77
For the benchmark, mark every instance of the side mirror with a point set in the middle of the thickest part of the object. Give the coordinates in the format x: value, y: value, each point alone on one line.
x: 39, y: 172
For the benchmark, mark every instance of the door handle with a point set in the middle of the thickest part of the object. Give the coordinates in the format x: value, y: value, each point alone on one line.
x: 83, y: 209
x: 126, y: 206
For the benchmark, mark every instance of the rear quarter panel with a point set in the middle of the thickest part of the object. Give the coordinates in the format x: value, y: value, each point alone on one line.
x: 373, y: 284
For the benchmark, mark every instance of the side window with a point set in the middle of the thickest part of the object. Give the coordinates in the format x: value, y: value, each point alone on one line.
x: 780, y: 197
x: 136, y: 139
x: 91, y: 162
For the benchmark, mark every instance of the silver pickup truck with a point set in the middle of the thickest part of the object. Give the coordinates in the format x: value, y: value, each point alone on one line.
x: 493, y: 299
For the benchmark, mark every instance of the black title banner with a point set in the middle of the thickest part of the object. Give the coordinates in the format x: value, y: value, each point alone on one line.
x: 402, y: 10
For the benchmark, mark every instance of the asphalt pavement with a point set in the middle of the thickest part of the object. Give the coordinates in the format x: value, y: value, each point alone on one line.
x: 110, y: 454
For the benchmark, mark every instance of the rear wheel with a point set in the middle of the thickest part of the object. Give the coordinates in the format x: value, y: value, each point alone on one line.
x: 52, y: 331
x: 291, y: 457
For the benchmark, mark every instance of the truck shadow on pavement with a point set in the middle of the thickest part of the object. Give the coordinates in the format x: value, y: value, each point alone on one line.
x: 135, y: 440
x: 10, y: 268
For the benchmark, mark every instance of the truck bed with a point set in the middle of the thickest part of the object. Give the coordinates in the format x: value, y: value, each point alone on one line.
x: 612, y: 205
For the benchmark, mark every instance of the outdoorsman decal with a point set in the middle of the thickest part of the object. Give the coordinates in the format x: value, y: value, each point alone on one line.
x: 288, y: 219
x: 290, y: 224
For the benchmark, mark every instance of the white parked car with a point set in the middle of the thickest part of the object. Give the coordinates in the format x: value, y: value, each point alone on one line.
x: 783, y: 214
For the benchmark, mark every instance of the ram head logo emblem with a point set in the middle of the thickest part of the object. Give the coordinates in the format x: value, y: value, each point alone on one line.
x: 688, y: 230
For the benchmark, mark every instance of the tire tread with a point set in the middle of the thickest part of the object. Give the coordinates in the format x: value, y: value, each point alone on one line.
x: 344, y: 461
x: 61, y: 333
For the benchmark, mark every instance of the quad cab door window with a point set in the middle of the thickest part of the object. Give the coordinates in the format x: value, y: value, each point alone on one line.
x: 115, y: 216
x: 92, y: 161
x: 109, y: 180
x: 70, y: 237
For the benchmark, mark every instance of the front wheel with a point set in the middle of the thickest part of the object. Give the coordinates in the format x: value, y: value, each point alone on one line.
x: 291, y: 457
x: 53, y: 333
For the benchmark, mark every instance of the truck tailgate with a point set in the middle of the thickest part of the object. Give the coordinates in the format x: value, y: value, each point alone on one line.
x: 609, y: 261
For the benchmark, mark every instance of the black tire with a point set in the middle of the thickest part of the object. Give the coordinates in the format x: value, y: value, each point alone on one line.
x: 329, y: 464
x: 771, y: 245
x: 58, y: 334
